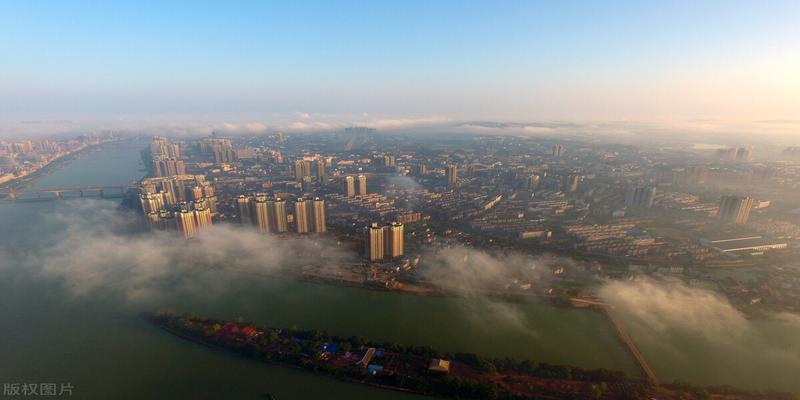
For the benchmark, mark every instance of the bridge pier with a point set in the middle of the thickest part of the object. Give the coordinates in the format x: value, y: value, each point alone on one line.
x: 102, y: 194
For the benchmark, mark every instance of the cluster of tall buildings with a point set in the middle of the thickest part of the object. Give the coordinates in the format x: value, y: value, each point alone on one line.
x: 189, y: 218
x: 640, y: 197
x: 733, y: 153
x: 311, y: 167
x: 185, y: 202
x: 18, y: 159
x: 161, y: 147
x: 168, y: 166
x: 192, y: 219
x: 384, y: 162
x: 218, y: 148
x: 173, y: 190
x: 557, y: 151
x: 384, y: 242
x: 166, y: 157
x: 309, y: 215
x: 31, y: 147
x: 269, y: 215
x: 735, y: 209
x: 696, y: 174
x: 24, y: 147
x: 355, y: 186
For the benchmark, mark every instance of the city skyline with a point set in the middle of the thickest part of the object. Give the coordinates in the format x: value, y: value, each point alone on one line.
x: 498, y: 200
x: 645, y: 235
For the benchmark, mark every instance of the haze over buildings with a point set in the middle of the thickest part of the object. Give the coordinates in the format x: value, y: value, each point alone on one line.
x: 510, y: 164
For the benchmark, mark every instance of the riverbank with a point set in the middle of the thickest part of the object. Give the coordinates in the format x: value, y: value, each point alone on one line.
x: 51, y: 166
x: 428, y: 290
x: 422, y: 369
x: 392, y: 366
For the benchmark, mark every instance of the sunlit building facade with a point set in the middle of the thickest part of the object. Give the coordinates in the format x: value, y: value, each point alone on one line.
x: 393, y: 240
x: 319, y: 218
x: 374, y: 241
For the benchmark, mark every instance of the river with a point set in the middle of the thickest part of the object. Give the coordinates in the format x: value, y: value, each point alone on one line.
x: 95, y: 341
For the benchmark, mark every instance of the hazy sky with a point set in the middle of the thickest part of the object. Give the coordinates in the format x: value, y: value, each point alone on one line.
x: 454, y: 59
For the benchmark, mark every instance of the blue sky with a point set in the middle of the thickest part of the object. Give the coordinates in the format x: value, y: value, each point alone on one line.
x: 459, y: 59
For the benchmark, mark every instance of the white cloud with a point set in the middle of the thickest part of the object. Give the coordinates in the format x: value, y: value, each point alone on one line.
x: 99, y: 252
x: 659, y: 306
x: 697, y: 335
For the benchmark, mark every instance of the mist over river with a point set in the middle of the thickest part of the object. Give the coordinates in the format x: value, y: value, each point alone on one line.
x: 69, y: 303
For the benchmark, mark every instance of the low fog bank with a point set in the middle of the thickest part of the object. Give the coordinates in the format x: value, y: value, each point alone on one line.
x: 195, y: 125
x: 644, y: 131
x: 479, y: 276
x: 94, y: 249
x: 659, y: 306
x: 100, y: 248
x: 687, y: 332
x: 472, y: 271
x: 684, y: 332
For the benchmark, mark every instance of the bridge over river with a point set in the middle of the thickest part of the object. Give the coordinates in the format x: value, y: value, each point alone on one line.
x: 63, y: 193
x: 622, y: 335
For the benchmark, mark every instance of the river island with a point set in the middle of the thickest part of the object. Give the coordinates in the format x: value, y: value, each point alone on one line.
x: 424, y: 370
